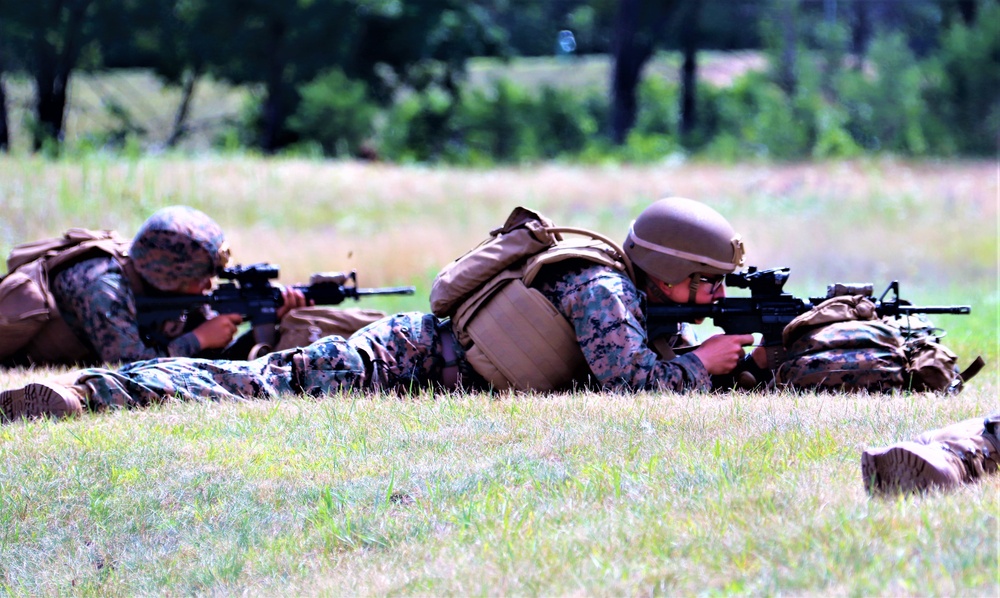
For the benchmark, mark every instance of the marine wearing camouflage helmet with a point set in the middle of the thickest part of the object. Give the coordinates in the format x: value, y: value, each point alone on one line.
x: 177, y: 249
x: 178, y: 245
x: 601, y: 304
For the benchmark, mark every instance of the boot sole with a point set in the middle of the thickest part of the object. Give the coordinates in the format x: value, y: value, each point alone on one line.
x: 904, y: 467
x: 37, y: 399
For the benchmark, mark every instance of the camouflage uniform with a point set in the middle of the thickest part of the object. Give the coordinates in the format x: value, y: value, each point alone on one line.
x: 404, y: 353
x: 97, y: 299
x: 98, y: 303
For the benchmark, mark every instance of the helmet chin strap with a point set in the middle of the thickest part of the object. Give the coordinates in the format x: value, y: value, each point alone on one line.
x: 693, y: 288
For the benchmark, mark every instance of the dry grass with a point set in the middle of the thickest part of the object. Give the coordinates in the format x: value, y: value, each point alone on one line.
x: 865, y: 219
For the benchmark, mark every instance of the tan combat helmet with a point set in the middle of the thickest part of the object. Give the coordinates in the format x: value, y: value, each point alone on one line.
x: 676, y: 237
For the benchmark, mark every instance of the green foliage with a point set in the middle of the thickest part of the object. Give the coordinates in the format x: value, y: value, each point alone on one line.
x: 417, y: 127
x: 502, y: 124
x: 659, y: 111
x: 335, y: 112
x: 965, y: 76
x: 886, y: 108
x: 761, y: 120
x: 497, y: 123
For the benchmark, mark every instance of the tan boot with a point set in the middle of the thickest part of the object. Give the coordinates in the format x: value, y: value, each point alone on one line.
x: 42, y: 398
x: 942, y: 458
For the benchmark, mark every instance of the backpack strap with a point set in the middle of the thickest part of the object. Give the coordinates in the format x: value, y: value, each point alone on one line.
x: 612, y: 249
x: 974, y: 368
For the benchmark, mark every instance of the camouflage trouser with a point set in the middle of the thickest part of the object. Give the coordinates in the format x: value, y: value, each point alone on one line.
x: 407, y: 353
x: 400, y: 353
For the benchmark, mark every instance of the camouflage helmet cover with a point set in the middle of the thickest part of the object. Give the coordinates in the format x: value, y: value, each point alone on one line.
x: 675, y: 237
x: 177, y: 245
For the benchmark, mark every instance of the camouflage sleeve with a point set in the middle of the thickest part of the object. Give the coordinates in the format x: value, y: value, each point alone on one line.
x: 97, y: 302
x: 606, y: 311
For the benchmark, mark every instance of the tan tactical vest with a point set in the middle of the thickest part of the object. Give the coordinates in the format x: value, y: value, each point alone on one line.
x: 513, y: 336
x: 29, y: 318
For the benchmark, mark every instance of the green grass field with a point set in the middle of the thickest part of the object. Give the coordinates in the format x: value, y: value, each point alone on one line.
x: 654, y: 493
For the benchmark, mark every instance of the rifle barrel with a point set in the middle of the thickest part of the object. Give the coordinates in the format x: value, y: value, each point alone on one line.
x: 388, y: 291
x: 934, y: 309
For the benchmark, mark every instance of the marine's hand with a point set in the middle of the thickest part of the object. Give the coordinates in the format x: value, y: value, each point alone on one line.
x: 721, y: 353
x: 218, y: 332
x: 291, y: 298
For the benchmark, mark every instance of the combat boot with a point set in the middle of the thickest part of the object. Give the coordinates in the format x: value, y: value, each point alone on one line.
x: 42, y: 398
x: 943, y: 458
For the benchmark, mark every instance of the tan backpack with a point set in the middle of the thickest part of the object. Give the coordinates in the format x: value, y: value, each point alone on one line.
x: 843, y: 344
x: 305, y: 325
x: 29, y: 318
x: 512, y: 335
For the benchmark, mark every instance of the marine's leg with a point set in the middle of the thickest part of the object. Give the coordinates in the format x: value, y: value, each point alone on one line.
x: 404, y: 350
x: 36, y: 399
x: 942, y: 458
x: 329, y: 365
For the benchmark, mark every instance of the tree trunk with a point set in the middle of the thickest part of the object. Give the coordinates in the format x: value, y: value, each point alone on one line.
x: 274, y: 111
x: 787, y: 79
x: 861, y: 32
x: 50, y: 103
x: 180, y: 119
x: 4, y: 129
x: 967, y: 8
x: 54, y: 64
x: 689, y: 68
x: 638, y: 26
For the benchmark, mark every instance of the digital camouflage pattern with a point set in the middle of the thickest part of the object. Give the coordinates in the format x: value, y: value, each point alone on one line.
x: 97, y: 301
x: 175, y: 245
x: 843, y: 344
x: 404, y: 354
x: 178, y: 244
x: 851, y: 355
x: 607, y: 312
x: 327, y: 366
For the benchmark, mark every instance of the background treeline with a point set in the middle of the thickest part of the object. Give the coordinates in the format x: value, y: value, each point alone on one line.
x: 389, y: 79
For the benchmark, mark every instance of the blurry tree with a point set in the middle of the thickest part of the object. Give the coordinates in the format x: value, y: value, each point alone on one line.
x: 272, y: 45
x: 174, y: 38
x: 689, y: 40
x: 4, y: 128
x: 50, y: 39
x: 388, y: 45
x: 639, y: 26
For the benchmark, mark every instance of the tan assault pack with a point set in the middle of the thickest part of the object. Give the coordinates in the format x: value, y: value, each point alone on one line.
x: 512, y: 335
x: 29, y: 318
x: 303, y: 326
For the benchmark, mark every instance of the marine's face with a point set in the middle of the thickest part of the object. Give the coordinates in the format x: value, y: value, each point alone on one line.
x: 711, y: 288
x: 192, y: 287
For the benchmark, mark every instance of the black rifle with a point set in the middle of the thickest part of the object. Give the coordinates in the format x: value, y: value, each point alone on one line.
x: 249, y: 292
x: 769, y: 309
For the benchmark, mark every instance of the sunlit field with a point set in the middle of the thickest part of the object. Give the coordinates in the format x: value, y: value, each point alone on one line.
x: 510, y: 493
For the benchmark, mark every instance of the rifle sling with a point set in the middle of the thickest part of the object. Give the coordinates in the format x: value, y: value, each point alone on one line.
x: 977, y: 364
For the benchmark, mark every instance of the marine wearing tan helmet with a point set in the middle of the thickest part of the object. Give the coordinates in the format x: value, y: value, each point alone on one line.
x: 178, y: 245
x: 675, y: 238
